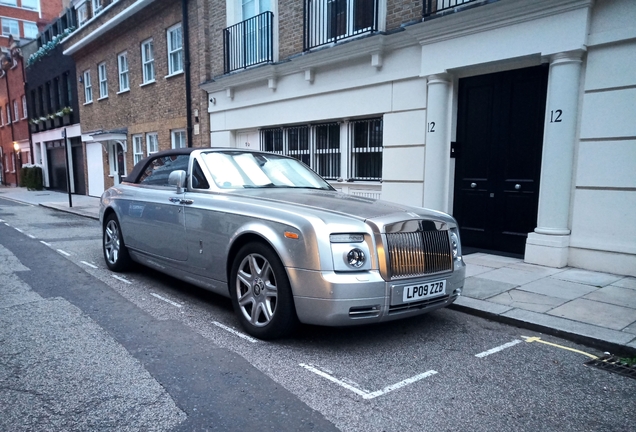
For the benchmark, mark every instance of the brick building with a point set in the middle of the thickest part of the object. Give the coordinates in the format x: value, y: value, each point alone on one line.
x: 21, y: 21
x: 515, y: 116
x: 132, y: 65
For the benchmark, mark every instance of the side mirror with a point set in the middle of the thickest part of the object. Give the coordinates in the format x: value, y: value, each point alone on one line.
x: 177, y: 178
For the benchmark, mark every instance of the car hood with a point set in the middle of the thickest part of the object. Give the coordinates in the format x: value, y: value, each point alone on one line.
x: 314, y: 200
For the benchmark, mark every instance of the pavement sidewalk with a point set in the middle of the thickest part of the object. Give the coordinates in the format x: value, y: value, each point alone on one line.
x: 592, y: 308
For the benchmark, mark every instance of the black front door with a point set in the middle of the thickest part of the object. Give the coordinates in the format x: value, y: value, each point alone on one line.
x: 498, y: 161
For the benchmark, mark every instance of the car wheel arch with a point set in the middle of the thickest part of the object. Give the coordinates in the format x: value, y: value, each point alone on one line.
x: 242, y: 240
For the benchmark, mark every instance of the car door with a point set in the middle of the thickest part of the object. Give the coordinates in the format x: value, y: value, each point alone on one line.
x: 154, y: 219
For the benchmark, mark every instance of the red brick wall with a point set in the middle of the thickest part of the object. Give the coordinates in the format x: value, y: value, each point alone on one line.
x: 158, y: 107
x: 50, y: 10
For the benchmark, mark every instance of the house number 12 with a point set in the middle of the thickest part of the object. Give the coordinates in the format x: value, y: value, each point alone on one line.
x: 555, y: 116
x: 431, y: 127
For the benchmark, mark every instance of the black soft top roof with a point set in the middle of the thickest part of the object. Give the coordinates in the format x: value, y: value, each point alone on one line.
x: 140, y: 167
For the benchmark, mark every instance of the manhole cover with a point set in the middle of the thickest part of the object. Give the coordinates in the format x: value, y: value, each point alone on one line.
x: 611, y: 363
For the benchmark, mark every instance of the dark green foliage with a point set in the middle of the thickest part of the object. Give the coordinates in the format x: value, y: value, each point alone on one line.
x: 31, y: 177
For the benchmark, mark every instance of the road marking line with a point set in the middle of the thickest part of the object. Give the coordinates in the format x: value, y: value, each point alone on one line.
x: 7, y: 224
x: 64, y: 253
x: 537, y: 339
x: 121, y: 279
x: 45, y: 243
x: 497, y: 349
x: 31, y: 235
x: 1, y: 220
x: 166, y: 300
x: 89, y: 264
x: 234, y: 332
x: 18, y: 230
x: 365, y: 394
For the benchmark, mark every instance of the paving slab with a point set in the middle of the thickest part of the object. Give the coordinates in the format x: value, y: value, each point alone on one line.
x: 628, y: 282
x: 616, y: 296
x: 586, y: 277
x: 527, y: 300
x: 631, y: 329
x: 475, y: 269
x: 558, y: 288
x: 596, y: 313
x: 544, y: 271
x: 585, y: 332
x: 493, y: 261
x: 483, y: 288
x: 511, y: 276
x: 480, y: 305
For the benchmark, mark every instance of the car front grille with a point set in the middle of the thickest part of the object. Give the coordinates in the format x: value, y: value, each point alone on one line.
x: 418, y: 253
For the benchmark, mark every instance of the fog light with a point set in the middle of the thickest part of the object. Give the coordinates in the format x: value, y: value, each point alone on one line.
x: 356, y: 258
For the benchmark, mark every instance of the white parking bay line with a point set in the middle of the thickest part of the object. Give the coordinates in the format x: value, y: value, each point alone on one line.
x: 234, y: 332
x: 18, y: 230
x: 64, y: 253
x: 365, y: 394
x: 166, y: 300
x: 497, y: 349
x: 31, y: 235
x: 121, y: 279
x: 45, y: 243
x: 89, y: 264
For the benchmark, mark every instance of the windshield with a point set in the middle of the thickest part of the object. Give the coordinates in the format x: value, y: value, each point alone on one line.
x: 238, y: 170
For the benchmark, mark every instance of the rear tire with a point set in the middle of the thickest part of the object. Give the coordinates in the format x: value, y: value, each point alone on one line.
x: 115, y: 251
x: 261, y: 293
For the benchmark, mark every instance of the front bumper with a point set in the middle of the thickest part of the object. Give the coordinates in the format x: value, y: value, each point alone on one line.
x: 341, y: 299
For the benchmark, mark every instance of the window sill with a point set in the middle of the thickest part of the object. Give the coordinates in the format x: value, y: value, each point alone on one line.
x: 123, y: 91
x: 102, y: 98
x: 88, y: 103
x: 147, y: 83
x: 174, y: 74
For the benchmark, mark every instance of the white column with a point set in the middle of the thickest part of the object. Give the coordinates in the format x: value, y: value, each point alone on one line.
x: 549, y: 243
x: 437, y: 159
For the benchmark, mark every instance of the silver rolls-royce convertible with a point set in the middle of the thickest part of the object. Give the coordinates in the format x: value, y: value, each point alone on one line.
x: 275, y: 237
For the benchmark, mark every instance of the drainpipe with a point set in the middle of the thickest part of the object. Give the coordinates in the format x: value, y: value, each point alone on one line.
x: 186, y: 63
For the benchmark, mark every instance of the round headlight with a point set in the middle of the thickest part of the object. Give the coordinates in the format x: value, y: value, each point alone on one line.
x: 454, y: 244
x: 356, y: 258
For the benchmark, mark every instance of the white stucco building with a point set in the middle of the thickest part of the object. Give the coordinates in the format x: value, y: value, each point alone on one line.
x: 536, y: 101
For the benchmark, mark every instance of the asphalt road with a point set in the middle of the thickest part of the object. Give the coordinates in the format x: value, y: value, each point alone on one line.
x: 144, y: 351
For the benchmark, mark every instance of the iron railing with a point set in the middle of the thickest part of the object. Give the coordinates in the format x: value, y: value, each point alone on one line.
x: 329, y: 21
x: 366, y: 148
x: 249, y: 42
x: 433, y: 7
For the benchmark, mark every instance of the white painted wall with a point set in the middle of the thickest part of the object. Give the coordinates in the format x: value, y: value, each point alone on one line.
x: 94, y: 159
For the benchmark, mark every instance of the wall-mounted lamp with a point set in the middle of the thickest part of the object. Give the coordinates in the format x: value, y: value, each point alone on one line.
x: 213, y: 100
x: 80, y: 79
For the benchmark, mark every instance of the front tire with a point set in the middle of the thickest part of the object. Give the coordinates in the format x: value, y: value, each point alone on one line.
x: 115, y: 251
x: 261, y: 293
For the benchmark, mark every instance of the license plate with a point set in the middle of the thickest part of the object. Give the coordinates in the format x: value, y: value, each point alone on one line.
x: 423, y: 291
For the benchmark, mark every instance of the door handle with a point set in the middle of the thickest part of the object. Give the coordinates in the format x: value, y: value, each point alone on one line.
x: 517, y: 186
x: 186, y: 201
x: 174, y: 199
x: 473, y: 185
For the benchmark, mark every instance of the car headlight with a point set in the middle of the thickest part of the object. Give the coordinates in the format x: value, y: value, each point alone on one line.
x: 455, y: 245
x: 350, y: 252
x: 356, y: 258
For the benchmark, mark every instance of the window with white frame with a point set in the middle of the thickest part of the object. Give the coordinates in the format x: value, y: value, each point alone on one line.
x: 29, y: 4
x: 1, y: 117
x: 88, y: 88
x: 175, y: 49
x: 30, y: 30
x: 122, y: 65
x: 319, y: 146
x: 8, y: 109
x: 148, y: 61
x: 24, y: 107
x: 10, y: 27
x: 9, y: 2
x: 103, y: 80
x: 16, y: 111
x: 138, y: 148
x: 152, y: 143
x: 178, y: 138
x: 82, y: 14
x: 97, y: 6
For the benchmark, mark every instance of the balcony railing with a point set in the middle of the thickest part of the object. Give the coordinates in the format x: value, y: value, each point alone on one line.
x: 249, y: 42
x: 329, y: 21
x: 435, y: 7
